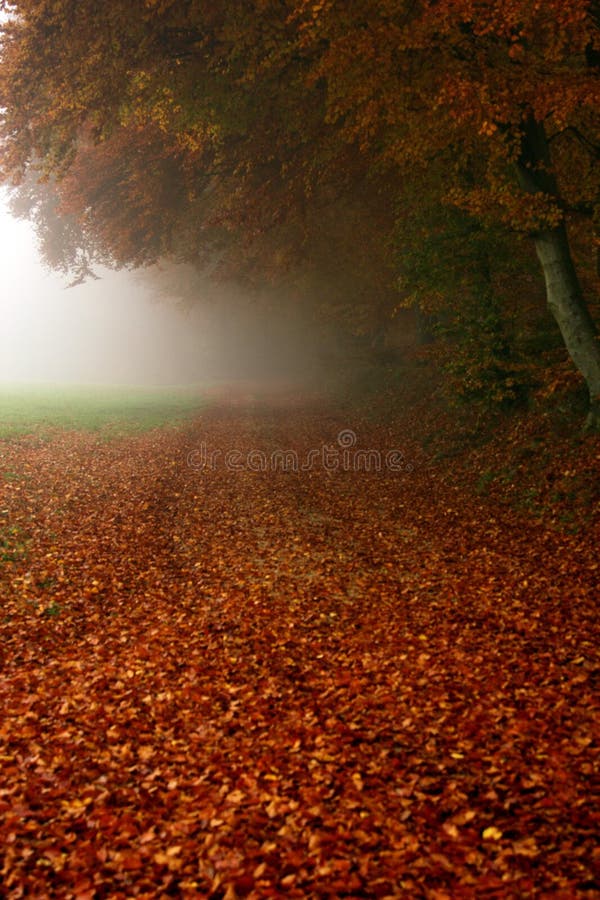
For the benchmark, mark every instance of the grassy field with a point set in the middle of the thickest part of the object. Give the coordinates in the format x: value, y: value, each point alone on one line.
x: 34, y: 408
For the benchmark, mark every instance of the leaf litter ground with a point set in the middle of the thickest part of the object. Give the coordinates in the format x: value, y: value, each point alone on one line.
x: 256, y: 684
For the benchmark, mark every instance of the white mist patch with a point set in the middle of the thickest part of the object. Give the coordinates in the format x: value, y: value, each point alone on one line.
x: 128, y: 328
x: 109, y: 331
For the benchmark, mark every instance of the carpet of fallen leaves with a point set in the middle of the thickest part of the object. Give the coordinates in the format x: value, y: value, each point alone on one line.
x: 322, y: 684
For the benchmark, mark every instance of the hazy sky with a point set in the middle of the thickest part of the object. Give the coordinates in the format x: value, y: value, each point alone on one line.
x: 108, y: 331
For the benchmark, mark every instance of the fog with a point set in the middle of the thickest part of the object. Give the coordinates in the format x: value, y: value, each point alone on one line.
x: 116, y: 331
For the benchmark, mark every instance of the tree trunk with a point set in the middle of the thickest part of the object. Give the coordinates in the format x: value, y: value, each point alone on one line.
x: 568, y: 307
x: 563, y: 291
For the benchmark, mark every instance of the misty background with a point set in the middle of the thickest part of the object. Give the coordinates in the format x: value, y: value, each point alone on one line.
x: 117, y: 330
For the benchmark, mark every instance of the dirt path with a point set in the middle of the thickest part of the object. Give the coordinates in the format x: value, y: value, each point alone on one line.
x: 227, y: 680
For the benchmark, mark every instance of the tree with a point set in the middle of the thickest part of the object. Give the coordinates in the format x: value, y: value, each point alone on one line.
x: 205, y: 150
x: 505, y: 91
x: 464, y: 277
x: 219, y: 131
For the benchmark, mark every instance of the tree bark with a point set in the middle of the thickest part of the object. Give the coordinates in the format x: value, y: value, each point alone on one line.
x: 568, y: 307
x: 563, y: 292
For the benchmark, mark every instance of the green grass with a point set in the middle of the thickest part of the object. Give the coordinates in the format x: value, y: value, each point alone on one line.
x: 26, y: 409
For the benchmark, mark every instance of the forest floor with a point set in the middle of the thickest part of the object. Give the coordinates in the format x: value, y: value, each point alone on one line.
x: 225, y: 680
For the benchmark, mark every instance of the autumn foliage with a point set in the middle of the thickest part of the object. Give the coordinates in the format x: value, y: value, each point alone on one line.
x: 264, y: 142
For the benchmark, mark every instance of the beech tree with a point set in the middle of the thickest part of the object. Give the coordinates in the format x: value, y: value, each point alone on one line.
x: 507, y: 92
x: 131, y: 106
x: 210, y: 155
x: 172, y: 126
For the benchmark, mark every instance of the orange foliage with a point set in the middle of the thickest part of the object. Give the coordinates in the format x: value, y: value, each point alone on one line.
x: 255, y: 684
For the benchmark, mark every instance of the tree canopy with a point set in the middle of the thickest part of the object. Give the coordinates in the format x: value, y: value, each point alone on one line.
x: 255, y: 138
